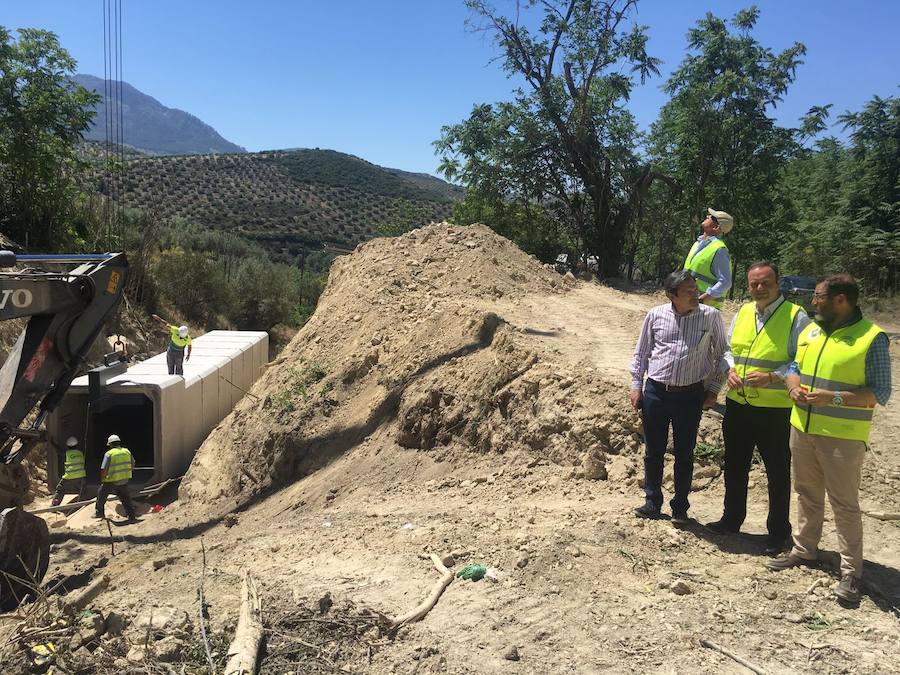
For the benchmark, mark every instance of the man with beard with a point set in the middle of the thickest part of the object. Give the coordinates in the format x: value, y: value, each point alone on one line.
x: 841, y: 371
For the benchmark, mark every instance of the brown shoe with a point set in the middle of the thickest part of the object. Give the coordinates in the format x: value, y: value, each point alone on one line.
x: 787, y: 561
x: 848, y: 590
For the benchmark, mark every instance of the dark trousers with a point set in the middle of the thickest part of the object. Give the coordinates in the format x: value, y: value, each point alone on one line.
x: 769, y: 431
x: 175, y: 361
x: 121, y: 491
x: 681, y: 410
x: 68, y: 486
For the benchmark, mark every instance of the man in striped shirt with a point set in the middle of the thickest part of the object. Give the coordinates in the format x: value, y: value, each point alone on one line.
x: 680, y: 352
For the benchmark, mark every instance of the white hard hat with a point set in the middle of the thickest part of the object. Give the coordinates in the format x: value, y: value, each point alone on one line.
x: 182, y: 332
x: 71, y: 441
x: 113, y: 439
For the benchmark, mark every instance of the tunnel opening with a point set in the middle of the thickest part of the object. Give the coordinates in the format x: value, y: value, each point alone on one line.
x: 130, y: 417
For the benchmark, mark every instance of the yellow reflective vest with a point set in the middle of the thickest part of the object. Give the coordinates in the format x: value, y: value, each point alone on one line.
x: 700, y: 267
x: 763, y: 352
x: 74, y: 466
x: 119, y: 467
x: 836, y: 362
x: 177, y: 341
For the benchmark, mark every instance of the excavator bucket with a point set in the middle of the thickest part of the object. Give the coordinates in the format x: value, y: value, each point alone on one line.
x: 24, y: 554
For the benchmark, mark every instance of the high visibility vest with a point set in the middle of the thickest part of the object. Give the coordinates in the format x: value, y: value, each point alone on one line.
x: 700, y: 267
x: 74, y: 466
x: 177, y: 341
x: 762, y: 352
x: 836, y: 362
x: 119, y: 467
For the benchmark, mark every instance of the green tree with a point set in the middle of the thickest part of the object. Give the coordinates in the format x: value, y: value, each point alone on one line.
x: 566, y: 142
x: 716, y: 138
x: 845, y: 201
x: 43, y: 114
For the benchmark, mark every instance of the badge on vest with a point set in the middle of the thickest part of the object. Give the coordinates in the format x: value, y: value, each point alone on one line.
x: 815, y: 332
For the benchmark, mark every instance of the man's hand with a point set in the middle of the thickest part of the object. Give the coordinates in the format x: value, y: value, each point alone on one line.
x: 710, y: 399
x: 637, y: 399
x: 757, y: 379
x: 734, y: 380
x: 819, y: 397
x: 798, y: 395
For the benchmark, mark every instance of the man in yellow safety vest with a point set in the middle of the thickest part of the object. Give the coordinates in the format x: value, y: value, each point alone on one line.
x: 73, y: 473
x: 842, y: 370
x: 709, y: 261
x: 762, y: 345
x: 115, y: 472
x: 179, y: 341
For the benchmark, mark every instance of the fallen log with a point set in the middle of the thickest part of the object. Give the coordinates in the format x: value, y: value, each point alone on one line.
x: 243, y: 651
x: 429, y: 602
x: 75, y: 602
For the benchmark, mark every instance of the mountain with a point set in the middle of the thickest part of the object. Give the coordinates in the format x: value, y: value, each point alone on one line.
x: 152, y: 127
x: 291, y: 202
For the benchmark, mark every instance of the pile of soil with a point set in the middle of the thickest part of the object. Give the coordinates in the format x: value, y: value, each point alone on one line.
x: 406, y: 344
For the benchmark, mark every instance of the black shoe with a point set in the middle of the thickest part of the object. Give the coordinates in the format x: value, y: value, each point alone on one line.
x: 788, y: 560
x: 99, y: 515
x: 777, y: 545
x: 722, y: 527
x: 681, y: 518
x: 647, y: 511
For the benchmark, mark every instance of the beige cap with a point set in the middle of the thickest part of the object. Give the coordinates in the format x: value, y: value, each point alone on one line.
x: 726, y: 222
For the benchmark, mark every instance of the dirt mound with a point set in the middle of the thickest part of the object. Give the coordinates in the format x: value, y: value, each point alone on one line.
x: 411, y: 342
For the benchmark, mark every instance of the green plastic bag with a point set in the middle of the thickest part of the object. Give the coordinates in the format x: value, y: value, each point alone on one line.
x: 474, y: 571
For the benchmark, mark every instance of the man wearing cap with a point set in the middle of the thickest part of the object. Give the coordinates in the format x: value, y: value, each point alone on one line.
x: 73, y: 473
x: 179, y: 339
x: 115, y: 472
x: 709, y: 261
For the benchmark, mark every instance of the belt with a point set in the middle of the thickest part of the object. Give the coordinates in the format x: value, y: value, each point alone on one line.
x: 675, y: 387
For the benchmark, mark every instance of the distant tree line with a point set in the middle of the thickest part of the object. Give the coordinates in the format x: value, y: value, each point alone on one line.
x: 563, y: 168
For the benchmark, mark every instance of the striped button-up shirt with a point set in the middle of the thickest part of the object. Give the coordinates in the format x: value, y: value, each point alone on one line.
x: 680, y: 349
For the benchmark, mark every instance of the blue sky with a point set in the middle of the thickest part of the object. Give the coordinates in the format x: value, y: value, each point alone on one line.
x: 379, y: 79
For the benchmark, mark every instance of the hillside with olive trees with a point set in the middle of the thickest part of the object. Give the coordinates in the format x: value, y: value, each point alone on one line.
x: 289, y: 201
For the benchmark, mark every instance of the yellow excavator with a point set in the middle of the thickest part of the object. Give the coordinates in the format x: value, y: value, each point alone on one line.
x: 66, y: 311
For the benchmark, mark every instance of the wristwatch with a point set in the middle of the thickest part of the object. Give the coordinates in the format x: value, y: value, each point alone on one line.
x: 837, y: 399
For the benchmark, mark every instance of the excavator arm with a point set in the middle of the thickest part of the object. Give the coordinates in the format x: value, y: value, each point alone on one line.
x: 66, y: 312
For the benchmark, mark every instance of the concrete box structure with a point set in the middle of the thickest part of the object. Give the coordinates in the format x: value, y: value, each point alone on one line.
x: 161, y: 418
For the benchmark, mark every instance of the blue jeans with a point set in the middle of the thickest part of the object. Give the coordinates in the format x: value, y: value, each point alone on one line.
x: 682, y: 410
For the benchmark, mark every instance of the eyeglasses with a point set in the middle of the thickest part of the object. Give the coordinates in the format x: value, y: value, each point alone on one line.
x: 753, y: 393
x: 714, y: 219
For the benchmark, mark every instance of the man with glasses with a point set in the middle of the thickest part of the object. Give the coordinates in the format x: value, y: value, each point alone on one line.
x: 841, y: 371
x: 680, y: 350
x: 762, y: 344
x: 709, y: 261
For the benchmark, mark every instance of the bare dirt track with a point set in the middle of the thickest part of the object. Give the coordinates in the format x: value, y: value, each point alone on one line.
x: 451, y: 395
